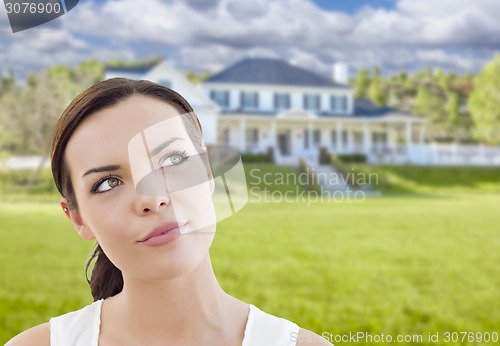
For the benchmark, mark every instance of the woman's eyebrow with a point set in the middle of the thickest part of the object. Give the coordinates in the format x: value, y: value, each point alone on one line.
x: 102, y: 169
x: 163, y: 145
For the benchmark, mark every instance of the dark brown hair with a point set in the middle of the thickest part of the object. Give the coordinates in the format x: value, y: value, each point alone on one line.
x: 106, y: 279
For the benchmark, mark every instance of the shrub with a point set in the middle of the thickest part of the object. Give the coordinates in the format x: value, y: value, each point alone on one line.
x: 350, y: 158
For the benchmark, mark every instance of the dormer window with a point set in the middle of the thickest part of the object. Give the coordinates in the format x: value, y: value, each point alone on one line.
x: 281, y: 101
x: 220, y: 97
x: 338, y: 103
x: 312, y: 102
x: 249, y: 100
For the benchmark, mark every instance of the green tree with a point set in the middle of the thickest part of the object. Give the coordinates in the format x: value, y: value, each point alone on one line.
x: 484, y: 103
x: 452, y: 107
x: 376, y: 93
x: 29, y: 113
x: 362, y: 83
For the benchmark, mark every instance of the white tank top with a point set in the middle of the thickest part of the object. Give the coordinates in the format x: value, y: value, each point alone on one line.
x: 81, y: 328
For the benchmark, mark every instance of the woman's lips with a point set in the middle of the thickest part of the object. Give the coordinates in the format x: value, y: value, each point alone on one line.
x: 162, y: 234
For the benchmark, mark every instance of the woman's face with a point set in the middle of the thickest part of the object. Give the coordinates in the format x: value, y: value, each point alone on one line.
x: 120, y: 216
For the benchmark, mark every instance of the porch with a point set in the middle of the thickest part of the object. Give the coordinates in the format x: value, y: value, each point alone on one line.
x: 381, y: 140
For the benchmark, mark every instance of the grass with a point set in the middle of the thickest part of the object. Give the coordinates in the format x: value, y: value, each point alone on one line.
x: 392, y: 265
x: 430, y: 179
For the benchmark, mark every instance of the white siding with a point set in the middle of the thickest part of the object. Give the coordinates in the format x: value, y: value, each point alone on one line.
x: 325, y: 102
x: 209, y: 127
x: 266, y: 101
x: 234, y: 99
x: 297, y: 100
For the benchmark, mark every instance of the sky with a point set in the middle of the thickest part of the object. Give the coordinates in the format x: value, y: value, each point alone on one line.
x: 209, y: 35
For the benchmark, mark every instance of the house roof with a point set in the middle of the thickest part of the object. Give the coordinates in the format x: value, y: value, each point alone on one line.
x: 366, y: 108
x: 271, y: 72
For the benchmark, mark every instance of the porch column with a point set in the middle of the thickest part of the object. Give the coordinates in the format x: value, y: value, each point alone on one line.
x: 338, y: 139
x: 272, y: 134
x: 310, y: 134
x: 421, y: 144
x: 391, y: 144
x: 366, y: 144
x: 350, y: 141
x: 408, y: 137
x: 242, y: 136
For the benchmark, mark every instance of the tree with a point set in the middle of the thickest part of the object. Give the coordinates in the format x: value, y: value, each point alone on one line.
x: 29, y: 114
x: 452, y: 107
x: 362, y: 82
x: 376, y: 93
x: 484, y: 103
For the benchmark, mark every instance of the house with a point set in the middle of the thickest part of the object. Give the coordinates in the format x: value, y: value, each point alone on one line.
x: 258, y: 103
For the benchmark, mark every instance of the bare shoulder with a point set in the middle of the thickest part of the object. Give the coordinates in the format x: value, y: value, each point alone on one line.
x: 39, y: 335
x: 308, y: 338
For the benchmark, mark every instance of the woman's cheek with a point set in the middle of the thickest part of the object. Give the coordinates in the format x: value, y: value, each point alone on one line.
x: 195, y: 204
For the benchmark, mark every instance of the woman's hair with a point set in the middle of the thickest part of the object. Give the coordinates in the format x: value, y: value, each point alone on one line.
x: 106, y: 279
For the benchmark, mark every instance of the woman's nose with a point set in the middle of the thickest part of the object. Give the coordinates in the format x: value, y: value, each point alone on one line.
x: 151, y: 204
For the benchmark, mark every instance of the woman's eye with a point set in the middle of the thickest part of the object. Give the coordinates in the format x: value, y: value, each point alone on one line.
x: 173, y: 160
x: 108, y: 184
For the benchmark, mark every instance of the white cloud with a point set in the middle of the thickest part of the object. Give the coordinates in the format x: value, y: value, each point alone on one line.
x: 445, y: 33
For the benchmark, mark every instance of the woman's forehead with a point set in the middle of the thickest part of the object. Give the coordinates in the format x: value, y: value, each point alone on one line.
x: 106, y: 134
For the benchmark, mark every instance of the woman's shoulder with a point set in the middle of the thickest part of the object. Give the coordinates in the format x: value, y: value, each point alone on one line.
x: 38, y: 335
x: 64, y: 328
x: 266, y: 329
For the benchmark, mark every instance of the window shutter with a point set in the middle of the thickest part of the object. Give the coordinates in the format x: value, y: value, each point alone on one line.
x: 318, y: 102
x: 226, y: 99
x: 242, y: 97
x: 256, y: 100
x: 275, y: 101
x: 212, y: 95
x: 306, y: 105
x: 288, y: 103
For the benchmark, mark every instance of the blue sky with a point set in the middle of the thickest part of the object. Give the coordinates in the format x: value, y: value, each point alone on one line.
x: 199, y: 35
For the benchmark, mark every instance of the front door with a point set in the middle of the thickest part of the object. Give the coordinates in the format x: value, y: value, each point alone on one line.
x: 284, y: 143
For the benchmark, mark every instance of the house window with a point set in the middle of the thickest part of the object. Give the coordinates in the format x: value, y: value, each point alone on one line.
x: 281, y: 101
x: 306, y: 139
x: 317, y: 137
x: 338, y: 104
x: 345, y: 138
x: 312, y: 102
x: 249, y: 100
x: 166, y: 83
x: 220, y: 97
x: 252, y: 135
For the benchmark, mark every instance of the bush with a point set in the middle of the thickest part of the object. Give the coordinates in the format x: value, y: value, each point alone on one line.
x: 350, y: 158
x: 324, y: 158
x: 256, y: 158
x: 312, y: 184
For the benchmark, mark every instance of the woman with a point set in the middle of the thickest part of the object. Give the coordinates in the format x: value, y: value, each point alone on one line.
x: 152, y: 282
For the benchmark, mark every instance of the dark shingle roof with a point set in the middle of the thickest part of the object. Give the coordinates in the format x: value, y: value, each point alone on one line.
x: 271, y: 72
x: 366, y: 108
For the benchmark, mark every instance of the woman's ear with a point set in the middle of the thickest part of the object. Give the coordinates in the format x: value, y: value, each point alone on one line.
x: 77, y: 221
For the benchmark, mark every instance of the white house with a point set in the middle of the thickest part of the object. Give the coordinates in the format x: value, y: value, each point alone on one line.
x: 257, y: 104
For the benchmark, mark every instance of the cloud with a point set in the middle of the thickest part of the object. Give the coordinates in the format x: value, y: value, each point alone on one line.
x: 210, y: 35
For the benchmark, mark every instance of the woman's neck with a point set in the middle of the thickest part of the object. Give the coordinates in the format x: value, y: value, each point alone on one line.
x: 191, y: 307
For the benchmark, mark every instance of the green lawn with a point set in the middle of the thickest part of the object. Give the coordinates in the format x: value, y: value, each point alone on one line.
x: 392, y: 265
